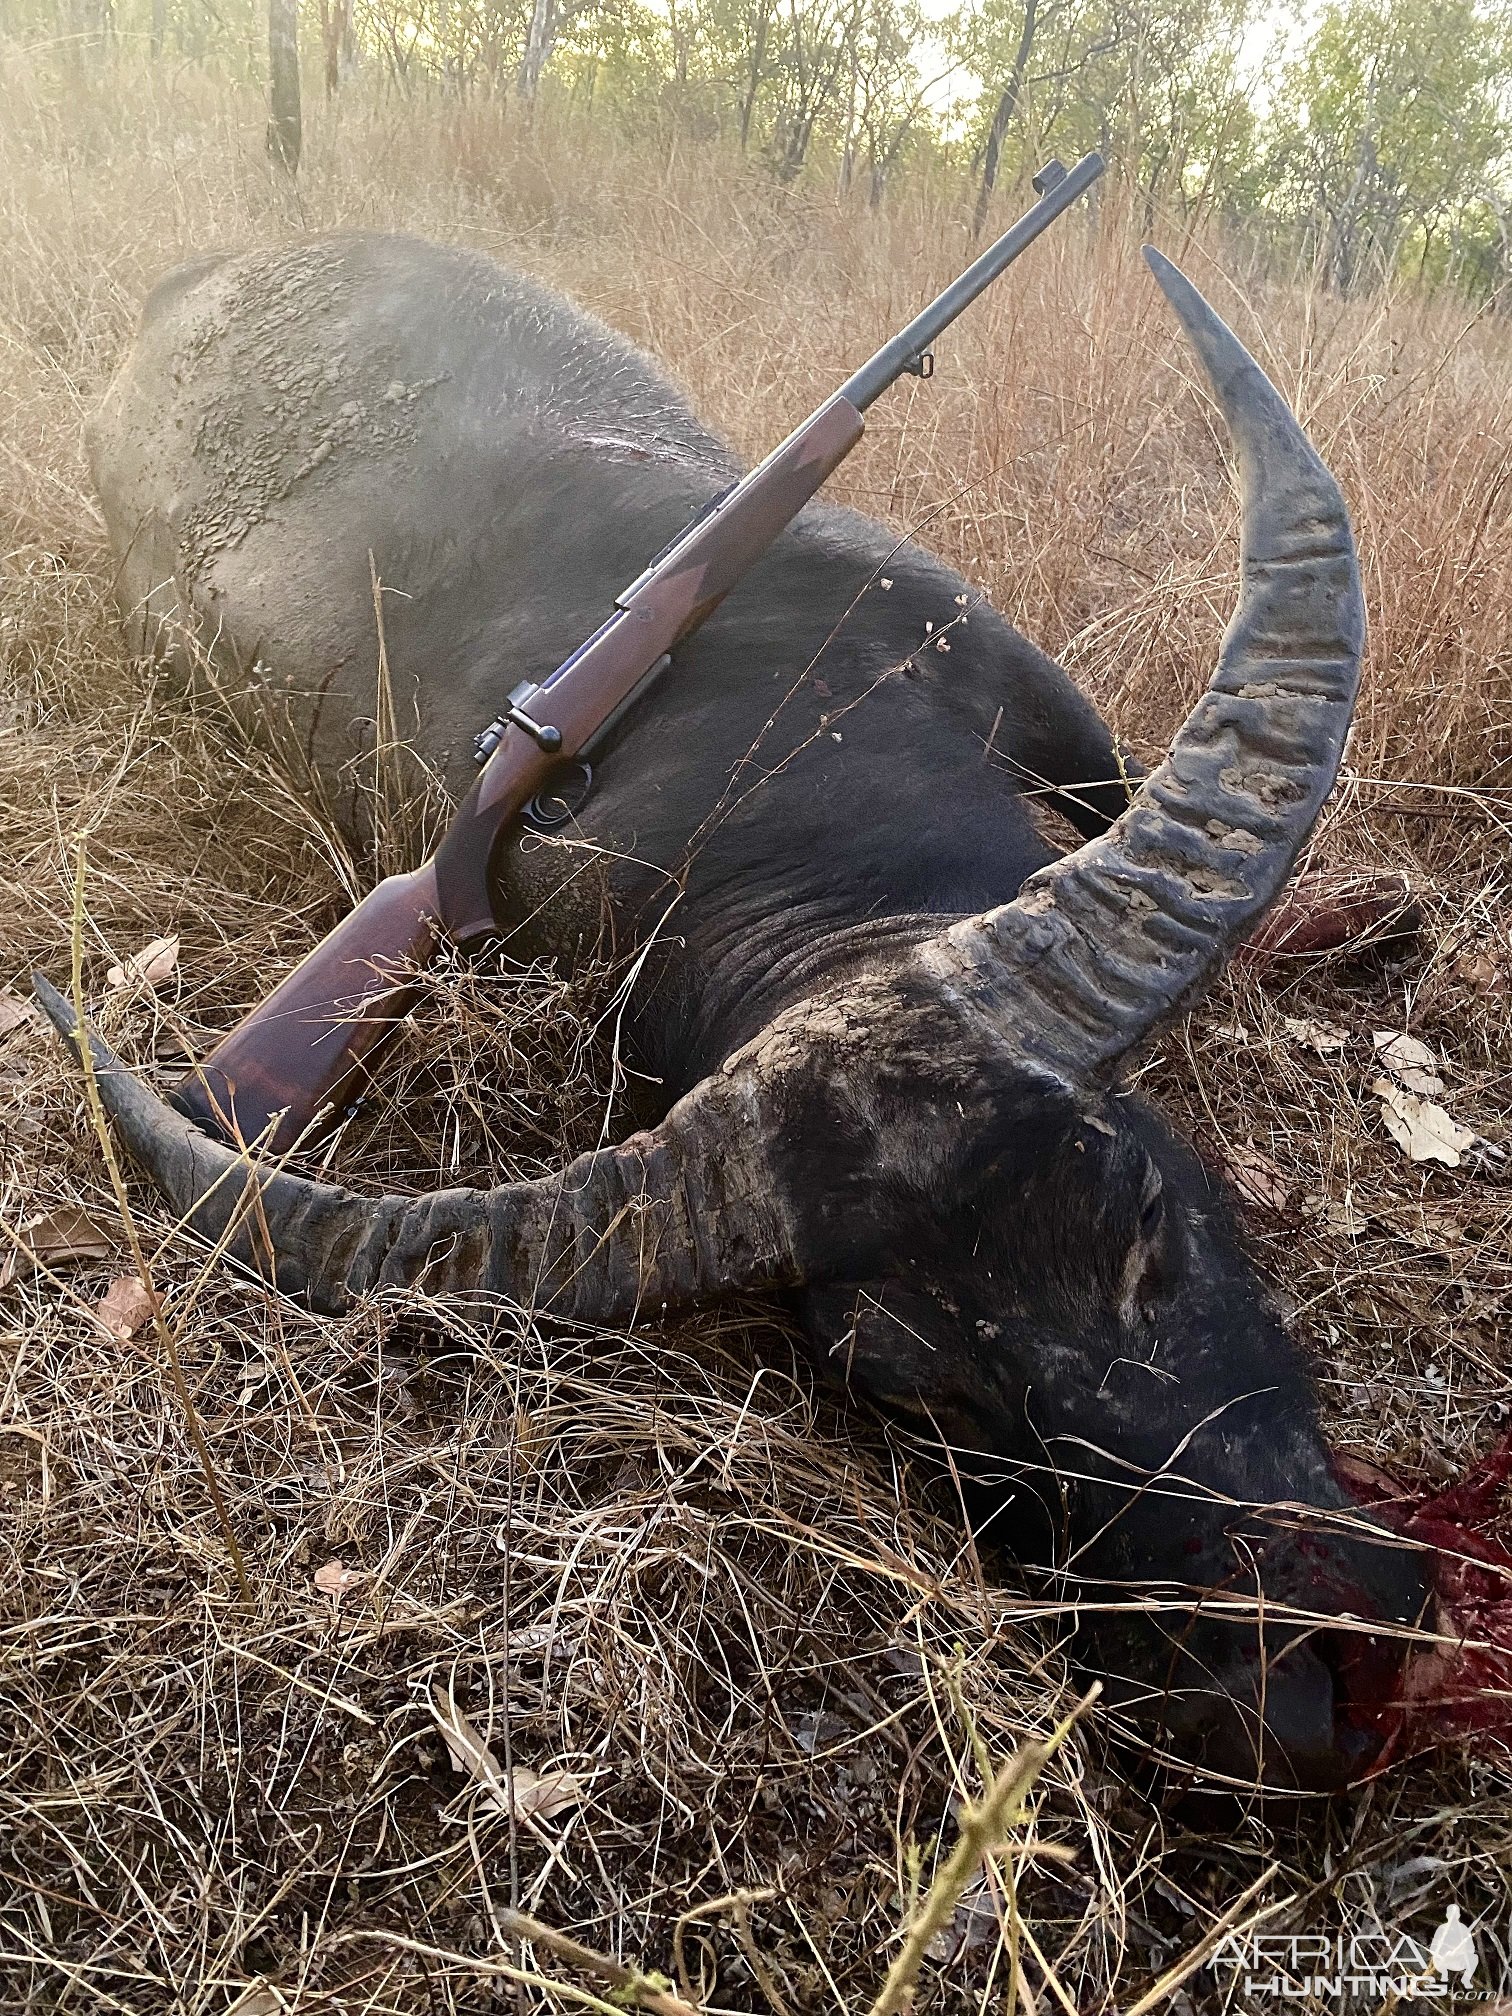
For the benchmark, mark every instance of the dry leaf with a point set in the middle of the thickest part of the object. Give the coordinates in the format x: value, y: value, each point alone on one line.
x: 53, y: 1238
x: 469, y: 1753
x: 335, y: 1579
x: 1406, y: 1051
x: 153, y: 963
x: 1410, y: 1062
x: 1256, y: 1177
x: 124, y: 1307
x: 1423, y: 1131
x: 1322, y: 1037
x: 529, y: 1795
x: 541, y: 1796
x: 1482, y: 971
x: 14, y: 1012
x: 260, y: 1999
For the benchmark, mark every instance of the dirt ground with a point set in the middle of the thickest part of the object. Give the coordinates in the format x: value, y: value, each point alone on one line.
x: 740, y: 1638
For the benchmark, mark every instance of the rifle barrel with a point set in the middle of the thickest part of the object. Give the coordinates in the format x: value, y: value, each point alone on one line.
x: 905, y: 349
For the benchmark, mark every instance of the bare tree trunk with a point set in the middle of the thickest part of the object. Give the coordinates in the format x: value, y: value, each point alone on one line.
x: 848, y: 151
x: 795, y: 147
x: 1348, y: 220
x: 284, y: 128
x: 882, y: 164
x: 1003, y: 116
x: 88, y: 25
x: 753, y: 75
x: 333, y: 35
x: 538, y: 45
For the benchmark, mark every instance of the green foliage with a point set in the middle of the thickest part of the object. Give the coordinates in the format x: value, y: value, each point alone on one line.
x: 230, y: 33
x: 1377, y: 140
x: 1156, y: 84
x: 1390, y: 138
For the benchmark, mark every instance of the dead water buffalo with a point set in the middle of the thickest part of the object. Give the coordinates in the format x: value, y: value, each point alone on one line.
x: 886, y: 1020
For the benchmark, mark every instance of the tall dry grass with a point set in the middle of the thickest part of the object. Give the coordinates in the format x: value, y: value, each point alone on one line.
x: 756, y: 1632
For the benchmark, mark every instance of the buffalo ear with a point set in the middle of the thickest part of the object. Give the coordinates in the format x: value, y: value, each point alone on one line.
x: 907, y: 1348
x: 900, y: 1346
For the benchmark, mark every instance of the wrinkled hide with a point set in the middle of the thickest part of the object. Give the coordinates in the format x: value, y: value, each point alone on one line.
x: 886, y: 1019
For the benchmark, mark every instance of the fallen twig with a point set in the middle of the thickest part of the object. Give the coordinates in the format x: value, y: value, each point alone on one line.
x: 632, y: 1988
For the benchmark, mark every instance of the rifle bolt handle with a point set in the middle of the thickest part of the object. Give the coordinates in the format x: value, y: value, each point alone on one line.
x: 514, y: 716
x: 540, y: 732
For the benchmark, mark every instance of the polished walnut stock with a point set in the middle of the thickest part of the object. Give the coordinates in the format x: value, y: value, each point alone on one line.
x: 303, y: 1051
x: 302, y: 1056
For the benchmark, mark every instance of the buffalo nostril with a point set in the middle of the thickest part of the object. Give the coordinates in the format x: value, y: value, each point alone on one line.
x: 1279, y: 1723
x: 1359, y: 1748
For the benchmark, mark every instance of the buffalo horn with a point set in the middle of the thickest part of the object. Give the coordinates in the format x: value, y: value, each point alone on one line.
x: 1102, y: 946
x: 676, y: 1215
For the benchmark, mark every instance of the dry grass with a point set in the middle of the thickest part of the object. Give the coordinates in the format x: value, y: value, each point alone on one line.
x: 755, y: 1630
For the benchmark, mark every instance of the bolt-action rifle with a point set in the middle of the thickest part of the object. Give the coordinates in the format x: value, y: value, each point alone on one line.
x: 301, y: 1055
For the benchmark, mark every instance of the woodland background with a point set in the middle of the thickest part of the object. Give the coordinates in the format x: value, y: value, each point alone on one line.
x: 1360, y: 137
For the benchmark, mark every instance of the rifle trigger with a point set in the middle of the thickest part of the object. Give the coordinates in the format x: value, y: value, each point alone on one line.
x: 921, y: 366
x: 560, y: 803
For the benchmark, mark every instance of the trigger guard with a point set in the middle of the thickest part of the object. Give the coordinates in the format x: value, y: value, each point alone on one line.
x: 568, y: 801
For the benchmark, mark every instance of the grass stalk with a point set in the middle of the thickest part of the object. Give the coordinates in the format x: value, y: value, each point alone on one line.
x: 633, y: 1989
x: 161, y: 1326
x: 984, y: 1827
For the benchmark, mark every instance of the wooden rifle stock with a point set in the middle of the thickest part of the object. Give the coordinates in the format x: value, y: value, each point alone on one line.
x: 303, y: 1050
x: 301, y: 1056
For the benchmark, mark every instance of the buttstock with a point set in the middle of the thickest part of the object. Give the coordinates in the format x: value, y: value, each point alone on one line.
x: 305, y: 1050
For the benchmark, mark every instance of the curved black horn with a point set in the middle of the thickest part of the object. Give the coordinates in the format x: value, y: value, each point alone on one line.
x: 1102, y: 946
x: 611, y: 1233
